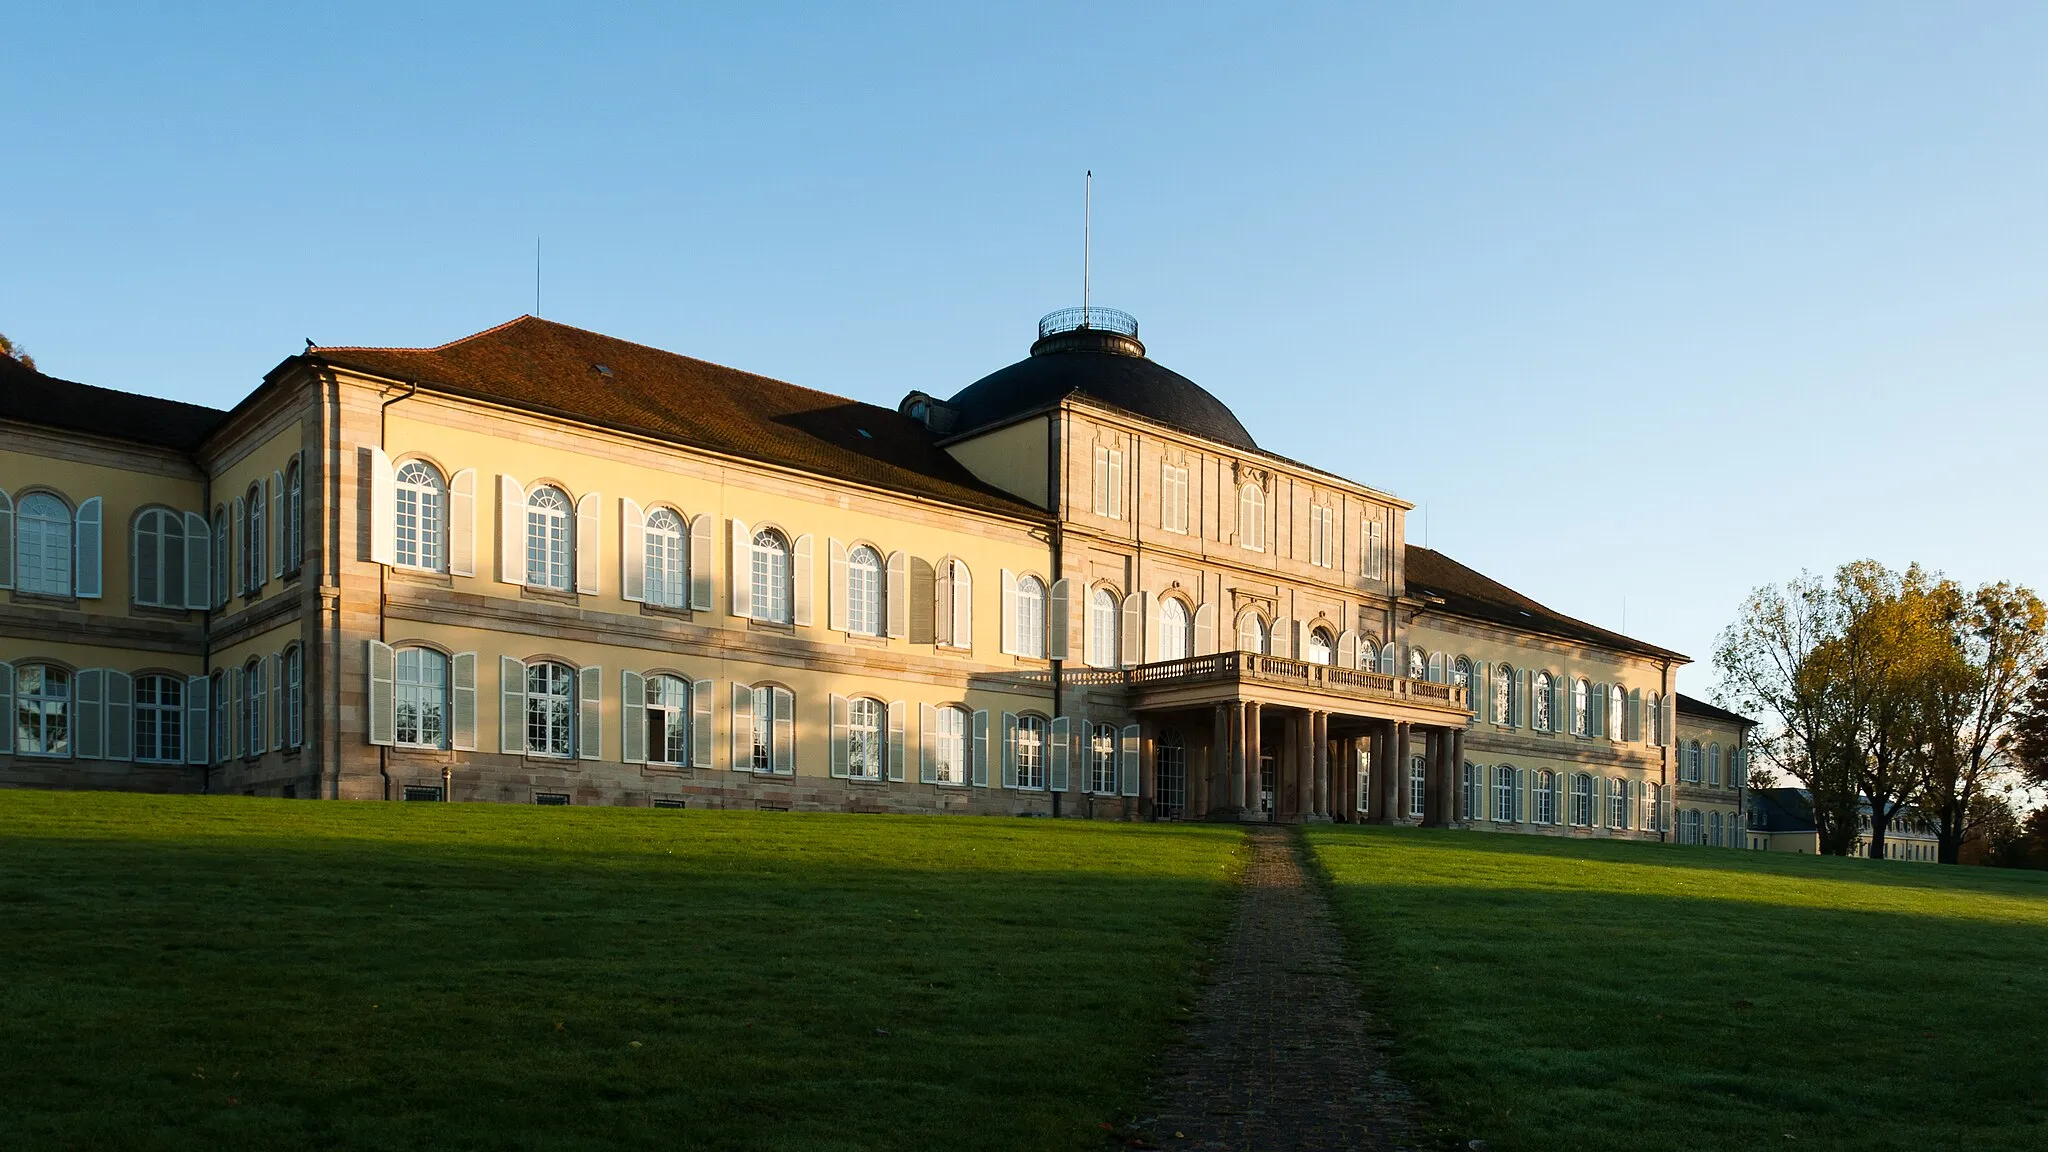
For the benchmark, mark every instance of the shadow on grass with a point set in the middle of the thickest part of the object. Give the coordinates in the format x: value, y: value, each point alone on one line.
x: 666, y: 987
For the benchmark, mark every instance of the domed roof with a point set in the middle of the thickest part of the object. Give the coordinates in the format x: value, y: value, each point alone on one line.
x: 1096, y: 351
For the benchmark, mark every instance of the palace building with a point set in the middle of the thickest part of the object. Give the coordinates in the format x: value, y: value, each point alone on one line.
x: 543, y: 565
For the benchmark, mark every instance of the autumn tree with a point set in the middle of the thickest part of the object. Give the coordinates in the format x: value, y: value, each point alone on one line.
x: 2025, y: 741
x: 1977, y: 703
x: 16, y: 353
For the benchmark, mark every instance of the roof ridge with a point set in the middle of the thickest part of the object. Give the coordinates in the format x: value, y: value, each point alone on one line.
x: 417, y: 348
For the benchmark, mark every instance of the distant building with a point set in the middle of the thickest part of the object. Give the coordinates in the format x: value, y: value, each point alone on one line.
x: 1781, y: 820
x: 1713, y: 770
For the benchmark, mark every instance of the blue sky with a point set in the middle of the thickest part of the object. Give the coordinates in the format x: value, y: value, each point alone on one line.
x: 1645, y: 303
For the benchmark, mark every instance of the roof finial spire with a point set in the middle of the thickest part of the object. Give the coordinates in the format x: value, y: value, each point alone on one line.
x: 1087, y: 220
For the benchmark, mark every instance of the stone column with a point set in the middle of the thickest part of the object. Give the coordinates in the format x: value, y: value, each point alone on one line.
x: 1432, y: 777
x: 1458, y: 777
x: 1235, y: 751
x: 1148, y: 769
x: 1253, y: 715
x: 1376, y: 772
x: 1199, y: 779
x: 1320, y: 745
x: 1301, y: 726
x: 1397, y: 780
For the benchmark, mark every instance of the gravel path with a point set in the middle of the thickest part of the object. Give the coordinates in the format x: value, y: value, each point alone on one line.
x: 1279, y: 1054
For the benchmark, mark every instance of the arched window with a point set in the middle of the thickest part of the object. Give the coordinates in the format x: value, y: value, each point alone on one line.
x: 668, y: 720
x: 771, y: 577
x: 1368, y: 654
x: 1617, y: 710
x: 1582, y: 708
x: 294, y: 697
x: 1503, y: 694
x: 1030, y: 637
x: 252, y: 708
x: 1418, y: 663
x: 42, y: 558
x: 864, y: 591
x: 294, y: 542
x: 1617, y: 803
x: 1714, y: 764
x: 422, y: 698
x: 1582, y: 800
x: 1539, y: 710
x: 1418, y: 787
x: 420, y: 534
x: 222, y: 559
x: 865, y: 754
x: 950, y: 748
x: 1102, y: 760
x: 255, y: 550
x: 1653, y: 715
x: 1176, y: 630
x: 773, y: 728
x: 1692, y: 762
x: 1461, y: 674
x: 1102, y: 613
x: 1690, y: 830
x: 42, y: 709
x: 1716, y: 828
x: 1030, y: 752
x: 1170, y: 774
x: 1322, y: 648
x: 1252, y: 635
x: 1251, y: 516
x: 667, y: 560
x: 1545, y: 795
x: 550, y: 709
x: 1504, y: 794
x: 548, y: 544
x: 160, y: 719
x: 956, y: 604
x: 159, y: 553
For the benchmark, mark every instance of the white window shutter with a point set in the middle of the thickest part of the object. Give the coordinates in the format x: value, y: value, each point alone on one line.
x: 1009, y: 749
x: 632, y: 717
x: 7, y: 691
x: 198, y: 561
x: 86, y: 558
x: 1127, y: 761
x: 383, y: 510
x: 511, y: 706
x: 590, y: 713
x: 1633, y: 728
x: 1437, y: 666
x: 1101, y: 507
x: 589, y: 545
x: 1347, y: 649
x: 462, y: 702
x: 461, y: 523
x: 632, y: 551
x: 198, y: 710
x: 740, y: 569
x: 1007, y: 640
x: 837, y: 586
x: 942, y: 604
x: 7, y: 581
x: 1519, y: 718
x: 383, y: 698
x: 279, y: 542
x: 1387, y: 658
x: 1060, y: 738
x: 927, y: 744
x: 273, y: 716
x: 1205, y: 630
x: 1116, y: 484
x: 511, y: 535
x: 700, y: 724
x: 897, y: 710
x: 977, y: 771
x: 121, y: 715
x: 1133, y: 638
x: 800, y: 582
x: 237, y: 518
x: 839, y: 754
x: 896, y: 589
x: 1521, y: 792
x: 742, y: 727
x: 1058, y: 621
x: 1283, y: 637
x: 701, y: 530
x: 89, y: 719
x: 784, y: 703
x: 963, y: 604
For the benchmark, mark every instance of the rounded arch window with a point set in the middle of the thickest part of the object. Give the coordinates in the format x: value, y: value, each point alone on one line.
x: 1030, y: 755
x: 1461, y: 673
x: 949, y: 749
x: 1252, y: 635
x: 42, y: 709
x: 548, y: 514
x: 668, y: 719
x: 1582, y: 708
x: 1368, y: 654
x: 865, y: 719
x: 420, y: 534
x: 1418, y: 664
x: 1102, y: 613
x: 667, y: 559
x: 159, y: 573
x: 1030, y: 637
x: 1322, y: 648
x: 1539, y: 705
x: 771, y: 577
x: 256, y: 553
x: 422, y: 698
x: 550, y: 709
x: 1617, y: 710
x: 42, y: 557
x: 1251, y: 516
x: 1503, y: 693
x: 1102, y: 759
x: 864, y: 591
x: 1176, y: 630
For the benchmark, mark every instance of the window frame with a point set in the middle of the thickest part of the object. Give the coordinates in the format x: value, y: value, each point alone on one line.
x: 162, y: 525
x: 417, y: 692
x: 255, y: 548
x: 1102, y: 754
x: 1105, y: 609
x: 419, y: 528
x: 162, y: 718
x: 667, y: 723
x: 550, y: 543
x: 1039, y: 730
x: 48, y: 704
x: 1030, y: 638
x: 665, y: 557
x: 1251, y: 516
x: 771, y: 577
x: 1180, y: 635
x: 56, y: 537
x: 1320, y: 640
x: 866, y: 591
x: 950, y: 749
x: 556, y: 712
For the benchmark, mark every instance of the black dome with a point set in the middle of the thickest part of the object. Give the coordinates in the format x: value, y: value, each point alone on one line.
x: 1106, y: 363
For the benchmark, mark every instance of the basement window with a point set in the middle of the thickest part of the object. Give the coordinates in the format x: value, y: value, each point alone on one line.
x: 551, y: 799
x: 422, y: 792
x: 660, y: 803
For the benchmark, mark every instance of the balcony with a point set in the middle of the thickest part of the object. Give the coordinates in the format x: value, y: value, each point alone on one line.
x: 1226, y: 676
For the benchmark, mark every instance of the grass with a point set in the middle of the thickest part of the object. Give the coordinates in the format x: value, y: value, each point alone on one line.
x: 227, y: 973
x: 1549, y: 994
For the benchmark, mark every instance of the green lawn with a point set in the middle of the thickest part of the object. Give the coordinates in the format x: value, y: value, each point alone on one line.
x: 1547, y: 994
x: 226, y: 973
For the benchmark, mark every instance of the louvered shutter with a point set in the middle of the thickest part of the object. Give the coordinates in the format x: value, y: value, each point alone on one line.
x: 1058, y: 621
x: 1061, y: 730
x: 589, y: 713
x: 1009, y: 750
x: 1116, y: 484
x: 462, y: 702
x: 1437, y: 668
x: 1006, y: 641
x: 963, y: 604
x: 86, y: 559
x: 632, y: 551
x: 383, y: 697
x: 942, y: 604
x: 511, y: 706
x: 1479, y: 692
x: 1517, y: 798
x: 1518, y: 716
x: 896, y: 590
x: 1596, y: 710
x: 927, y: 744
x: 511, y: 534
x: 1101, y: 507
x: 837, y: 587
x: 1347, y: 649
x: 7, y: 689
x: 589, y: 544
x: 1133, y: 638
x: 1205, y: 630
x: 279, y: 520
x: 121, y: 715
x: 1387, y: 659
x: 785, y: 731
x: 897, y: 710
x: 742, y: 727
x: 198, y: 560
x: 237, y: 728
x: 1557, y: 812
x: 800, y: 581
x: 839, y: 755
x: 89, y: 719
x: 237, y: 555
x: 1128, y: 761
x: 383, y: 509
x: 198, y: 709
x: 632, y: 717
x: 7, y: 581
x: 979, y: 751
x: 740, y: 569
x: 462, y: 523
x: 274, y: 717
x: 700, y: 724
x: 701, y: 530
x: 1634, y: 731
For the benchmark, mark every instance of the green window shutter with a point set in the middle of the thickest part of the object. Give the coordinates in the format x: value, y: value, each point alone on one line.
x: 632, y: 716
x: 462, y: 702
x: 590, y: 713
x: 383, y: 698
x: 121, y: 715
x: 836, y: 764
x: 89, y: 717
x: 784, y: 703
x: 1128, y: 762
x: 700, y: 723
x: 198, y: 710
x: 1061, y: 731
x: 979, y: 768
x: 897, y: 711
x: 86, y: 559
x: 1009, y: 750
x: 927, y: 744
x: 511, y: 706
